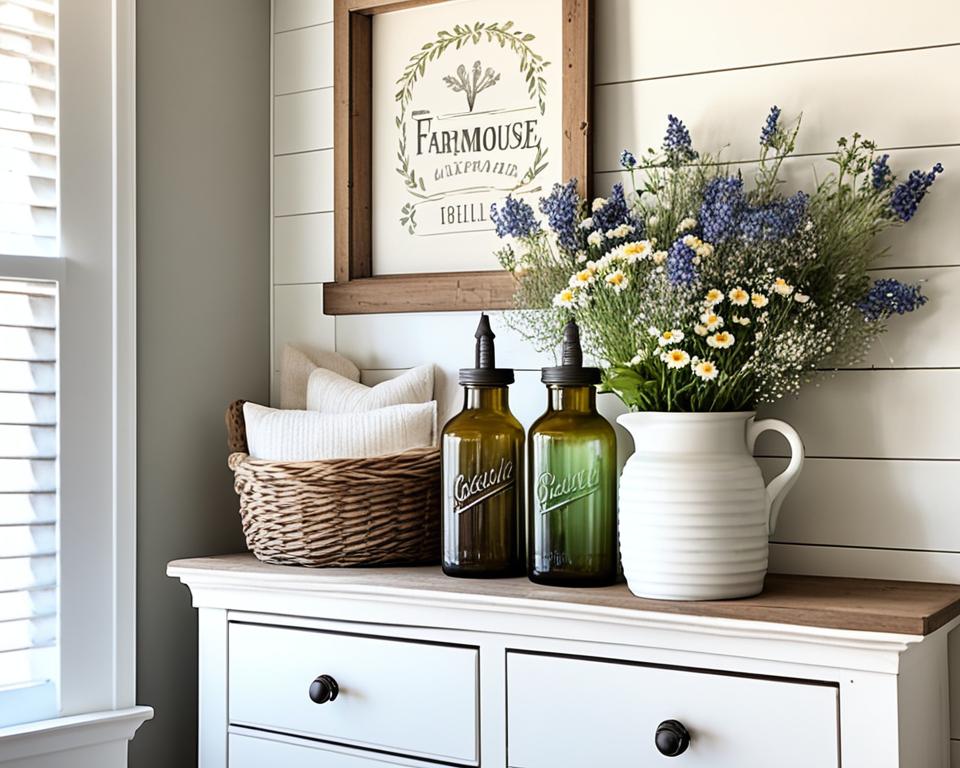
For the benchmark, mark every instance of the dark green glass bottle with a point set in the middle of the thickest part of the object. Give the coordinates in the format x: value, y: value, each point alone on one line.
x: 482, y: 446
x: 573, y: 479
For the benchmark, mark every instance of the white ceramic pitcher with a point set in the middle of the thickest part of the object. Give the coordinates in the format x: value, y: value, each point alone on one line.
x: 695, y: 515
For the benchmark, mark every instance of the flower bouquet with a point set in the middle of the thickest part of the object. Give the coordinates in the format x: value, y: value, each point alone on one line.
x: 702, y: 296
x: 696, y: 293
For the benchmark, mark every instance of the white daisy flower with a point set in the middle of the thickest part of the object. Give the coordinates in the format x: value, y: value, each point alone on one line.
x: 620, y: 232
x: 582, y: 278
x: 521, y: 270
x: 637, y: 358
x: 653, y: 330
x: 711, y: 320
x: 670, y: 337
x: 581, y: 257
x: 720, y: 340
x: 659, y: 257
x: 566, y: 298
x: 686, y: 225
x: 741, y: 320
x: 782, y: 287
x: 635, y: 251
x: 739, y: 296
x: 617, y: 280
x: 700, y: 330
x: 759, y: 300
x: 706, y: 370
x: 595, y: 238
x: 598, y: 203
x: 675, y: 358
x: 587, y: 223
x: 713, y: 296
x: 801, y: 298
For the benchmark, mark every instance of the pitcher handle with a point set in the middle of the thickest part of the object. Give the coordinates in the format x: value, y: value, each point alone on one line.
x: 778, y: 488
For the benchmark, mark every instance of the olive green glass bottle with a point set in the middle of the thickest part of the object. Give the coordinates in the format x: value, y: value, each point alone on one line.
x: 482, y: 456
x: 573, y: 479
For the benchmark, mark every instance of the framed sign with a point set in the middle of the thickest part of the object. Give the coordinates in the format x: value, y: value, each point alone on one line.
x: 443, y: 108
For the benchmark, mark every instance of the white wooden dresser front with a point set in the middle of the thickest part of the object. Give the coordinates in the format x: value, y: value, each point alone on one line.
x: 428, y: 671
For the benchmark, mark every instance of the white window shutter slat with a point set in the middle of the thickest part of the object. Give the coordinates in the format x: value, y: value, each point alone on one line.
x: 29, y: 445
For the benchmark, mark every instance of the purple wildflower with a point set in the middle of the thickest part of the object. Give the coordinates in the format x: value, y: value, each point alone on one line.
x: 769, y: 130
x: 880, y: 172
x: 907, y: 196
x: 614, y: 212
x: 515, y: 218
x: 627, y: 160
x: 676, y: 142
x: 682, y: 264
x: 888, y: 297
x: 562, y: 209
x: 775, y: 221
x: 722, y: 203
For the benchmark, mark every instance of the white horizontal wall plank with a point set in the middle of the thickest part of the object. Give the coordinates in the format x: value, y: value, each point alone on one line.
x: 303, y: 59
x: 445, y: 338
x: 865, y: 563
x: 303, y: 183
x: 927, y: 240
x: 303, y: 121
x: 303, y: 248
x: 881, y: 504
x: 729, y: 107
x: 891, y: 414
x: 294, y: 14
x: 298, y: 319
x: 709, y: 36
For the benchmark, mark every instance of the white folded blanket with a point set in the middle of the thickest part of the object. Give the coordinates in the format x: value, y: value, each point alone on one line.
x: 329, y: 392
x: 288, y: 435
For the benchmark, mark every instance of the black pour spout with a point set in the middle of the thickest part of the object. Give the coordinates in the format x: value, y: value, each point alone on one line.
x: 485, y: 372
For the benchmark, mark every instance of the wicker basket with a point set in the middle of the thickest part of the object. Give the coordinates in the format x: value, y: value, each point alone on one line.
x: 378, y: 511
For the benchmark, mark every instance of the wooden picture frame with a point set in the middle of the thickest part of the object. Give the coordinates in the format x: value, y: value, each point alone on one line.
x: 355, y: 289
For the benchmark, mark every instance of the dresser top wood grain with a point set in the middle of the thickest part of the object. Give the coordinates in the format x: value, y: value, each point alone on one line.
x: 872, y: 605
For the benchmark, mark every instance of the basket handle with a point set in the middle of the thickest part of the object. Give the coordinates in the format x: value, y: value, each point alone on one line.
x: 236, y: 428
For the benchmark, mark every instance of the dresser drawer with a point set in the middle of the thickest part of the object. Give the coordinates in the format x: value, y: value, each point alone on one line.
x: 411, y: 698
x: 570, y: 713
x: 263, y: 752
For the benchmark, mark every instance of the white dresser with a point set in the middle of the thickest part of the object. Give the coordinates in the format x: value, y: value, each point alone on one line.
x: 406, y: 667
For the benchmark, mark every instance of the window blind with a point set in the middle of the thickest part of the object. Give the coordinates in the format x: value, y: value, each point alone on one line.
x: 28, y: 128
x: 28, y: 360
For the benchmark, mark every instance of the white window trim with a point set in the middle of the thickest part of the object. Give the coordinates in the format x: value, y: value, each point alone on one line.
x: 97, y: 641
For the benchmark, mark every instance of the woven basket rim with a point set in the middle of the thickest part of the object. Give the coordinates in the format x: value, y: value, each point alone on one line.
x: 411, y: 453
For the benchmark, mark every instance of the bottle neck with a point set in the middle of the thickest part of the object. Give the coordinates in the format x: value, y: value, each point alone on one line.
x: 572, y: 399
x: 486, y: 398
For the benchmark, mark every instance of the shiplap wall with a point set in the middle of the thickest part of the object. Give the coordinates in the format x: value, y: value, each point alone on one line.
x: 879, y: 494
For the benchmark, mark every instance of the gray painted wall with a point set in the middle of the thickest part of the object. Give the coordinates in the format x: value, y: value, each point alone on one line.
x: 203, y: 122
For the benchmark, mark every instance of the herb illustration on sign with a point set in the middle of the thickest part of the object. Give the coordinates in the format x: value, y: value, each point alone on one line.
x: 453, y: 161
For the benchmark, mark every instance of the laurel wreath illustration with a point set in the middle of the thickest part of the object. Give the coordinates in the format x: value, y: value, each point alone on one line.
x: 532, y: 65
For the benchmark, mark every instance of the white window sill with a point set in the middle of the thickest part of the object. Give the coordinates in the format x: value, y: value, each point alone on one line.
x: 64, y: 733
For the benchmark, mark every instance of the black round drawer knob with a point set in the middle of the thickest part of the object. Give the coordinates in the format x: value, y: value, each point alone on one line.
x: 672, y: 738
x: 324, y: 689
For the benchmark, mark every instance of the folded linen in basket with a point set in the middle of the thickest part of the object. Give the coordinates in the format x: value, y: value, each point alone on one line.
x: 295, y: 370
x: 286, y: 435
x: 329, y: 392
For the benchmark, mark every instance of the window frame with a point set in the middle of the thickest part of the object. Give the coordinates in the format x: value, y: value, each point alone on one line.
x: 96, y: 272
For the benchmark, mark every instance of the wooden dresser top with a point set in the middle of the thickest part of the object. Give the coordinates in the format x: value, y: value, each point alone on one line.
x: 902, y: 607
